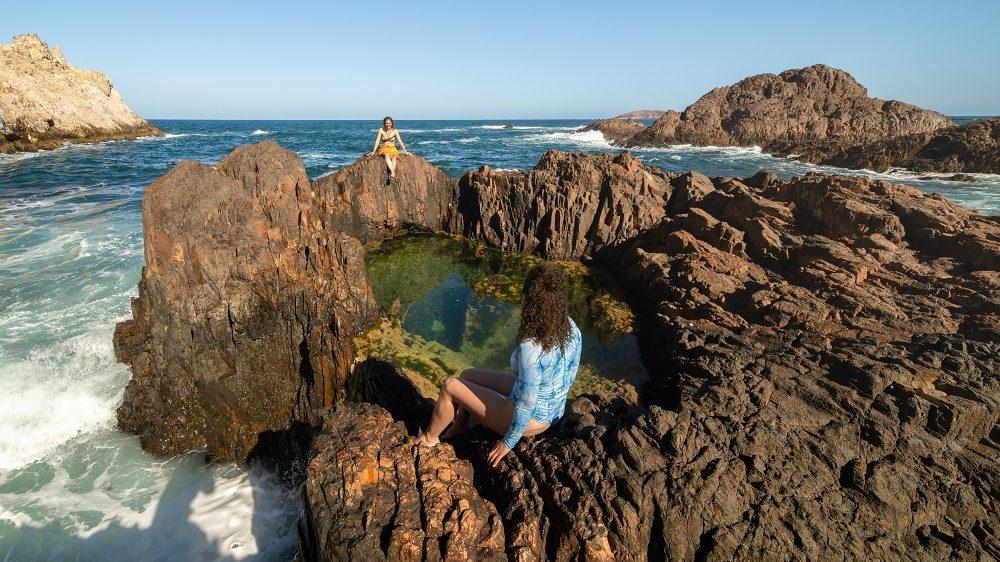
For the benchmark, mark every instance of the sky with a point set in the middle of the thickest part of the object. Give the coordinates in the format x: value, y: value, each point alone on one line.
x: 507, y: 59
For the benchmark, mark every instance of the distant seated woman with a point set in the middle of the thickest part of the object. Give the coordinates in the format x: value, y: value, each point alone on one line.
x: 387, y: 137
x: 544, y: 364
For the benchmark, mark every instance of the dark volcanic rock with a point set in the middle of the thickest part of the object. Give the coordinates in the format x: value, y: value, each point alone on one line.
x: 568, y: 206
x: 642, y: 114
x: 372, y: 495
x: 615, y: 130
x: 823, y: 354
x: 359, y: 200
x: 973, y: 147
x: 797, y: 106
x: 246, y: 307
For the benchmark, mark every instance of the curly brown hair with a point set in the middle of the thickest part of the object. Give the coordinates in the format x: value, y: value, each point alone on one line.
x: 544, y: 316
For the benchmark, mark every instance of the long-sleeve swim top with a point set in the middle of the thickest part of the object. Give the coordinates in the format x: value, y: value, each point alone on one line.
x: 543, y: 382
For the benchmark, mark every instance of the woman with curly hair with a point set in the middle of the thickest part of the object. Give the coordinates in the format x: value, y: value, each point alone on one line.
x: 544, y: 365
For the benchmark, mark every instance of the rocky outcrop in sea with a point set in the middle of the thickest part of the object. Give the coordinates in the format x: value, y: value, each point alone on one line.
x: 46, y: 102
x: 822, y: 351
x: 822, y: 115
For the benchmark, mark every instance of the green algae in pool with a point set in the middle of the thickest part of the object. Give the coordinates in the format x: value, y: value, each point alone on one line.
x: 454, y: 304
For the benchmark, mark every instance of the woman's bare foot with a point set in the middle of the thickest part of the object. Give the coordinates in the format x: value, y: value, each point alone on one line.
x: 426, y: 442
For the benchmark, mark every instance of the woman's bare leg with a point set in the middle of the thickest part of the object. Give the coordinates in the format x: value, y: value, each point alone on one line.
x: 488, y: 406
x: 388, y: 163
x: 499, y: 381
x: 391, y: 162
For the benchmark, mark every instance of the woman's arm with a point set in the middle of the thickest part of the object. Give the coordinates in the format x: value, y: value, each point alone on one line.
x: 400, y: 138
x: 529, y: 378
x: 378, y: 137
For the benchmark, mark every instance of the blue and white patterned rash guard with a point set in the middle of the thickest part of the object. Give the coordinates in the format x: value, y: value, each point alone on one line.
x: 543, y: 382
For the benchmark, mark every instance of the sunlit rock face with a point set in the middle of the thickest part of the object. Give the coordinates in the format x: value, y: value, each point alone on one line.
x: 45, y: 101
x: 821, y: 352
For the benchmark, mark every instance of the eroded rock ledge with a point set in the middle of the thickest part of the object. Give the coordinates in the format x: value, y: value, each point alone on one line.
x: 46, y: 102
x: 823, y: 354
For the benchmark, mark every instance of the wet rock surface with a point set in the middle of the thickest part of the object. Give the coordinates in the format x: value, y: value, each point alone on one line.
x: 616, y: 130
x: 46, y: 102
x: 822, y: 351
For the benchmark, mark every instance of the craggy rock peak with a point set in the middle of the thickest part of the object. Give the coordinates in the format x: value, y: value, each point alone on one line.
x: 568, y: 206
x: 246, y: 311
x: 360, y: 200
x: 372, y: 494
x: 45, y: 101
x: 973, y: 147
x: 616, y: 130
x: 813, y: 103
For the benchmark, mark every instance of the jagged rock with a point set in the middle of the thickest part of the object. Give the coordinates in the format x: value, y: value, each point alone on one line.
x: 567, y: 206
x: 795, y: 107
x: 615, y: 130
x: 371, y: 494
x: 359, y: 199
x: 246, y: 311
x: 46, y: 102
x: 973, y: 147
x: 823, y: 354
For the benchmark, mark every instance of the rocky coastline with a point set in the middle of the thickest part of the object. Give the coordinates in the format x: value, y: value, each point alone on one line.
x: 823, y: 354
x: 822, y: 115
x: 45, y: 102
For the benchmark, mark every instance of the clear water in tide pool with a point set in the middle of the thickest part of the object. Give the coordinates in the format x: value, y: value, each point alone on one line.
x: 71, y: 485
x: 465, y: 297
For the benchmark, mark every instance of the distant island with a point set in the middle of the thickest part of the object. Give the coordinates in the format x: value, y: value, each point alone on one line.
x: 46, y: 102
x: 642, y: 114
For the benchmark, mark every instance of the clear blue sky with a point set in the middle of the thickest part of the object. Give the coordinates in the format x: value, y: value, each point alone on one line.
x: 507, y: 59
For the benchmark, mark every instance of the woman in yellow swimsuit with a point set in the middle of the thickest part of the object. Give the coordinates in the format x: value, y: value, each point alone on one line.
x: 387, y: 137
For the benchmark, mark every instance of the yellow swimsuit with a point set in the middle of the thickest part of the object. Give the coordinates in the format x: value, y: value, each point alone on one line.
x: 388, y: 148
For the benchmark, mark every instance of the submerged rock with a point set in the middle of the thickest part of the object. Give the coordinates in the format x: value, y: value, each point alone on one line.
x: 46, y: 102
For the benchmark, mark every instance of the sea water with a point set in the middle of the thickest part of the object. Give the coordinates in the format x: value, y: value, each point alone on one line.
x: 71, y: 484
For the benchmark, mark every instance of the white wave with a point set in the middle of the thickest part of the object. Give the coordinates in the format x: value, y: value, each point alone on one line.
x: 171, y: 136
x: 589, y: 139
x: 434, y: 142
x: 469, y: 139
x: 258, y: 132
x: 493, y: 126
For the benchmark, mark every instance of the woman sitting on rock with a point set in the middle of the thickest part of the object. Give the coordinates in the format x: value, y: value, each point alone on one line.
x: 544, y: 362
x: 387, y: 137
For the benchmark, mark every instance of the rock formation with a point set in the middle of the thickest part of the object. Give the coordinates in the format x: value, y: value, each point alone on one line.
x: 973, y: 147
x: 371, y: 494
x: 813, y: 103
x: 246, y: 311
x: 46, y: 102
x: 568, y: 206
x: 616, y: 130
x: 360, y: 200
x: 823, y: 354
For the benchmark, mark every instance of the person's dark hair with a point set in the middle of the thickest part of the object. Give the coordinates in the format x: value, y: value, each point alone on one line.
x: 544, y: 316
x: 387, y: 118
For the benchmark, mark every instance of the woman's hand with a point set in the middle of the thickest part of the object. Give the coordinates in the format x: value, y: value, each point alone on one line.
x: 372, y: 153
x: 496, y: 454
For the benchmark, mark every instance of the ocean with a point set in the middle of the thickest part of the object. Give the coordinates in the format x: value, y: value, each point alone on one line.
x: 71, y: 484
